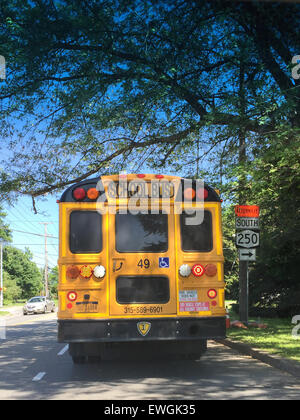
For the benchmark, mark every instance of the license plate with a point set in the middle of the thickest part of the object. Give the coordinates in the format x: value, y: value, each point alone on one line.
x: 87, y: 307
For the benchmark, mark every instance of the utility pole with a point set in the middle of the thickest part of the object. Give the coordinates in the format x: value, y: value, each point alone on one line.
x: 46, y: 258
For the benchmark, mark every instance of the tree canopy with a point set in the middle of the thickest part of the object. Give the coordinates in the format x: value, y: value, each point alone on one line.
x: 171, y: 84
x: 204, y: 89
x: 22, y: 272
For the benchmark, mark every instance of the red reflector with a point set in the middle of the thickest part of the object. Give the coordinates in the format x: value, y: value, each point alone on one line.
x: 159, y: 176
x: 141, y: 175
x: 189, y: 193
x: 212, y: 293
x: 79, y: 194
x: 69, y: 306
x: 198, y: 270
x: 202, y: 193
x: 72, y: 296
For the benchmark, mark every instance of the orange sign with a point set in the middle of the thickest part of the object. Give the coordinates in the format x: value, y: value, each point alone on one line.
x: 247, y: 211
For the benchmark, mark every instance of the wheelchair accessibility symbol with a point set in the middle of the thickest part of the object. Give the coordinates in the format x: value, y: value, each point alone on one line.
x: 164, y: 262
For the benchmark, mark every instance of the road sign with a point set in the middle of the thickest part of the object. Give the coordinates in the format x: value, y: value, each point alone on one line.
x: 247, y: 239
x: 247, y: 223
x: 247, y: 254
x: 247, y: 211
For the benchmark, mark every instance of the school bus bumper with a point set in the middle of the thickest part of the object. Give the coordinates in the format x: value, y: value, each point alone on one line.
x: 124, y: 330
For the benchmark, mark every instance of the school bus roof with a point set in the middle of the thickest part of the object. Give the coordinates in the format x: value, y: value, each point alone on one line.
x: 86, y: 191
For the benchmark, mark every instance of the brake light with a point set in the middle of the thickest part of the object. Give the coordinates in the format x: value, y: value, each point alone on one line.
x: 198, y: 270
x: 202, y: 193
x: 189, y: 193
x: 79, y: 194
x: 72, y: 296
x: 93, y: 194
x: 212, y: 293
x: 73, y: 272
x: 211, y: 270
x: 86, y: 271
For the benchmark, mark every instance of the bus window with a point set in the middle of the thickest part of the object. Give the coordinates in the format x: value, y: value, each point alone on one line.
x: 141, y: 232
x: 85, y: 232
x: 196, y: 238
x: 142, y: 289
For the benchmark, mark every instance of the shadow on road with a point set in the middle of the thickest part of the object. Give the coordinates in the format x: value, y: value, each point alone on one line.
x: 220, y: 374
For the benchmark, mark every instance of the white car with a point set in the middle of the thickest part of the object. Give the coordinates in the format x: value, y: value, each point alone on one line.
x: 39, y: 304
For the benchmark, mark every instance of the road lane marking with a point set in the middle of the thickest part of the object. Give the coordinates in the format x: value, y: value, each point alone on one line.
x: 63, y: 351
x: 39, y: 377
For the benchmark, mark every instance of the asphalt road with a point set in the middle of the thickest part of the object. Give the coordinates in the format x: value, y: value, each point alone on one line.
x: 34, y: 366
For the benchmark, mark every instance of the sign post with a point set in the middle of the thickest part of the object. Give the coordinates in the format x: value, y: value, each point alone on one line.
x: 247, y: 240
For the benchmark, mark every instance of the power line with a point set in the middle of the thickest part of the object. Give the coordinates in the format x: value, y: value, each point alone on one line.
x: 35, y: 234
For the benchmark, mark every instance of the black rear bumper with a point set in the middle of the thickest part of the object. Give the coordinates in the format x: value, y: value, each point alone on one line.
x: 126, y: 330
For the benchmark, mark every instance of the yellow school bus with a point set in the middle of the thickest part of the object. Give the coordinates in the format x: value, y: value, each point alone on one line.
x: 140, y: 261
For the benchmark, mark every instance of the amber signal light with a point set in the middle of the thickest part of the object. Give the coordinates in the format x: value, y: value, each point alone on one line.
x: 86, y: 271
x: 93, y: 194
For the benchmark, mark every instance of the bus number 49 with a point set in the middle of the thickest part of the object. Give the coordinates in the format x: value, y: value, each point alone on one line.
x: 144, y: 263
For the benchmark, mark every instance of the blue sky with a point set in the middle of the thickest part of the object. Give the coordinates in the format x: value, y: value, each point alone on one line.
x: 21, y: 217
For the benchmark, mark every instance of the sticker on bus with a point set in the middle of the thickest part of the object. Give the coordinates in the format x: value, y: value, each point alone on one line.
x: 193, y: 306
x: 188, y: 296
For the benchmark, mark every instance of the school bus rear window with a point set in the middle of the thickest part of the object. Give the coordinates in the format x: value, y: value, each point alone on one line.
x: 143, y: 289
x: 85, y: 232
x: 142, y: 232
x: 196, y: 238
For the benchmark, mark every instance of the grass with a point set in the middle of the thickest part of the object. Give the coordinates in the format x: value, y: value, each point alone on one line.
x: 3, y: 313
x: 276, y: 338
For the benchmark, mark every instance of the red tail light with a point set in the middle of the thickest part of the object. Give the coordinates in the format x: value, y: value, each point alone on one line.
x: 202, y: 193
x: 198, y: 270
x: 79, y: 194
x: 159, y: 176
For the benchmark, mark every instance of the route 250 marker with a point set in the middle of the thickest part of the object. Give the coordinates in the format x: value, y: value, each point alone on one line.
x: 247, y: 235
x: 247, y: 238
